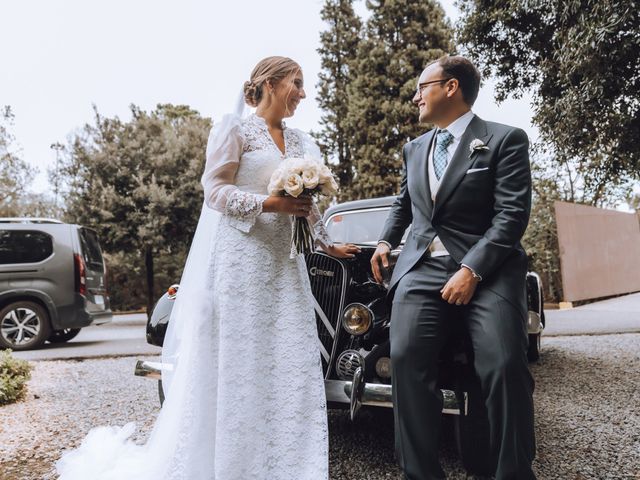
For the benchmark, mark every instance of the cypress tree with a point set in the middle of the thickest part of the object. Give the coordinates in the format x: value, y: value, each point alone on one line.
x: 337, y: 52
x: 401, y: 37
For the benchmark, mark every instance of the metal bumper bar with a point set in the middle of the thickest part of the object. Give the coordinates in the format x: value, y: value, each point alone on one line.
x: 354, y: 393
x: 357, y: 393
x: 149, y: 369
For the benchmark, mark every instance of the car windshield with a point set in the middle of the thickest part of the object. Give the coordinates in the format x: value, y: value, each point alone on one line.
x: 362, y: 227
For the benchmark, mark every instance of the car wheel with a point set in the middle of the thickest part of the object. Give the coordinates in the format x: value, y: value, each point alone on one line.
x: 160, y: 392
x: 533, y: 350
x: 24, y: 325
x: 472, y: 432
x: 64, y: 335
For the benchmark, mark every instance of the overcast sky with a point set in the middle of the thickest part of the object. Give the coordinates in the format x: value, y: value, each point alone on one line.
x: 61, y: 56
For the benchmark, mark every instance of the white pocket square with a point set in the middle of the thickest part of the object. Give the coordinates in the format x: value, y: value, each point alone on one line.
x: 474, y: 170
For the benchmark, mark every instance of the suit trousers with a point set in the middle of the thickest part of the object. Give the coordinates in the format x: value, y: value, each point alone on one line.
x: 421, y: 323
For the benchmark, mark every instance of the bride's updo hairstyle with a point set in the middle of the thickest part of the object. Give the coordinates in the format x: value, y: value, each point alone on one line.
x: 273, y: 69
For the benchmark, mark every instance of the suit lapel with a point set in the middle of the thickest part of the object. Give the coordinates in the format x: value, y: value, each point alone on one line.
x: 421, y: 154
x: 461, y: 160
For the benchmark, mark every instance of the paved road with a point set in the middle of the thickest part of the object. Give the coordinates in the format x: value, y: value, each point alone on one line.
x: 123, y: 337
x: 617, y: 315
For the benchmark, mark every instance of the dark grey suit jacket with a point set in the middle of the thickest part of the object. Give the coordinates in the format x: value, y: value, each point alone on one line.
x: 480, y: 216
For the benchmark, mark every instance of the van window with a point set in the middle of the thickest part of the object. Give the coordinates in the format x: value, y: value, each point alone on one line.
x: 24, y: 246
x: 91, y: 250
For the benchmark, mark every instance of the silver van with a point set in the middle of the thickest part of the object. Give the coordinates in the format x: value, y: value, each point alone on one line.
x: 52, y: 282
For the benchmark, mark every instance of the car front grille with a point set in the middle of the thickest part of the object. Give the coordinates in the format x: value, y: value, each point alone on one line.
x: 328, y: 280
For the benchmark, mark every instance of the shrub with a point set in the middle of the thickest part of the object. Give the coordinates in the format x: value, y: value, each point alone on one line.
x: 14, y: 374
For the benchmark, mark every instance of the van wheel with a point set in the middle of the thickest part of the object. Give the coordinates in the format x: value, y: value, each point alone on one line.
x: 24, y: 325
x: 64, y: 335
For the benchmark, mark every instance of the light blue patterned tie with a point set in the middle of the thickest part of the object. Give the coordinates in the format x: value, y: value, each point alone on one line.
x: 443, y: 140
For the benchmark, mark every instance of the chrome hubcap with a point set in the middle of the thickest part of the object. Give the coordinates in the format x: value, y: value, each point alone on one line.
x: 20, y: 326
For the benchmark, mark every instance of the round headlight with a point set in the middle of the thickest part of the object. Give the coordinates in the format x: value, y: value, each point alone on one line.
x: 357, y: 319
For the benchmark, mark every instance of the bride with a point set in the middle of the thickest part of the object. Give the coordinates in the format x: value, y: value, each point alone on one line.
x: 242, y: 374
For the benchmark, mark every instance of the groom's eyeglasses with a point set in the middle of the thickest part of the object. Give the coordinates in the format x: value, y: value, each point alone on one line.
x: 422, y: 86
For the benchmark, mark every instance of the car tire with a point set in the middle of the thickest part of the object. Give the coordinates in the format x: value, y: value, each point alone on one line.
x: 64, y: 335
x: 533, y: 350
x: 472, y: 433
x: 23, y: 313
x: 160, y: 392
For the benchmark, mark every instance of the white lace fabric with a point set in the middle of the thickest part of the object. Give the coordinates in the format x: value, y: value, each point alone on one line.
x: 246, y: 398
x: 240, y: 201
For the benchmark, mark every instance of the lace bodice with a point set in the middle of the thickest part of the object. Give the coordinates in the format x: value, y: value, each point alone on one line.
x: 256, y: 136
x: 241, y: 156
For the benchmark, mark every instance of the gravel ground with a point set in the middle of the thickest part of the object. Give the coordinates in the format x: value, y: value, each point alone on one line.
x: 587, y: 415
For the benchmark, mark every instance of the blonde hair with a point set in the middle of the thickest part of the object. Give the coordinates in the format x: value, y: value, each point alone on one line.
x: 271, y: 69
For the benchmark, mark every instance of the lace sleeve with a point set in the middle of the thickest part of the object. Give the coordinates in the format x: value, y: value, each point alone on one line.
x: 224, y: 149
x: 243, y: 208
x: 320, y: 234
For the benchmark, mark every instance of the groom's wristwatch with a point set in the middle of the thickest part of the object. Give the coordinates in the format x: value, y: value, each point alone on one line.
x: 473, y: 272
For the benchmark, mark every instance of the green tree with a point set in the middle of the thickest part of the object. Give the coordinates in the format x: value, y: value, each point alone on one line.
x: 338, y: 46
x: 541, y: 238
x: 581, y: 61
x: 138, y: 184
x: 14, y: 172
x: 401, y: 37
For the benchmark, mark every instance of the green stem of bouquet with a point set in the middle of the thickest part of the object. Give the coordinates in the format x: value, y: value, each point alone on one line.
x: 302, y: 237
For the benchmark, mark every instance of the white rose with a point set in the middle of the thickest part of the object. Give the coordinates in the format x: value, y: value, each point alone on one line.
x: 477, y: 144
x: 276, y: 184
x: 293, y: 185
x: 329, y: 186
x: 325, y: 174
x: 311, y: 177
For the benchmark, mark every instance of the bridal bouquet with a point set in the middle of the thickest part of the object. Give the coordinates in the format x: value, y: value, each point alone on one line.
x: 302, y: 176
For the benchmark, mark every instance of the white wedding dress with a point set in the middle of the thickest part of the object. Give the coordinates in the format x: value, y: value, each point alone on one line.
x: 245, y: 399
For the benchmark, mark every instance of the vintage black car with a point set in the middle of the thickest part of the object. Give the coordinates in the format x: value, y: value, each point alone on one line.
x: 352, y: 316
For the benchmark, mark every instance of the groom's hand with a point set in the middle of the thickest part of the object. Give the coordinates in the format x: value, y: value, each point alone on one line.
x: 380, y: 256
x: 460, y: 288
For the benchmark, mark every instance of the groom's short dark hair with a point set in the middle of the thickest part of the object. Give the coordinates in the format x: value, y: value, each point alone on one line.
x: 465, y: 72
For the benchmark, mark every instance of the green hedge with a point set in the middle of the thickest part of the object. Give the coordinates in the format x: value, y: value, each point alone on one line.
x: 14, y: 375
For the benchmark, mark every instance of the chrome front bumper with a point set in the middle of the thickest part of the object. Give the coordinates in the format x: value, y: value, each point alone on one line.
x: 357, y: 393
x: 354, y: 393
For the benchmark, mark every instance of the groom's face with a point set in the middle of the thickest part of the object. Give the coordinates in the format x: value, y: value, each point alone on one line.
x: 431, y: 94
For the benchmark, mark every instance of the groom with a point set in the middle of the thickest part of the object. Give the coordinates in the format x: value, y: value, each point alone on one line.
x: 466, y: 191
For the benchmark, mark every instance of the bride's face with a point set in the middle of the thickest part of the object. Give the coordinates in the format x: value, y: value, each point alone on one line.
x: 289, y: 92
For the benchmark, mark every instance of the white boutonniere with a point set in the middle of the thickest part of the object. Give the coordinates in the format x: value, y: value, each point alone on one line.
x: 477, y: 144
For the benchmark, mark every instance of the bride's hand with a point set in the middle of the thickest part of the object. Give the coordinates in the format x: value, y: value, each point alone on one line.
x: 342, y: 250
x: 300, y: 207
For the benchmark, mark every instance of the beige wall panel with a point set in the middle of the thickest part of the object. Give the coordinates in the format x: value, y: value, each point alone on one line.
x: 599, y: 251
